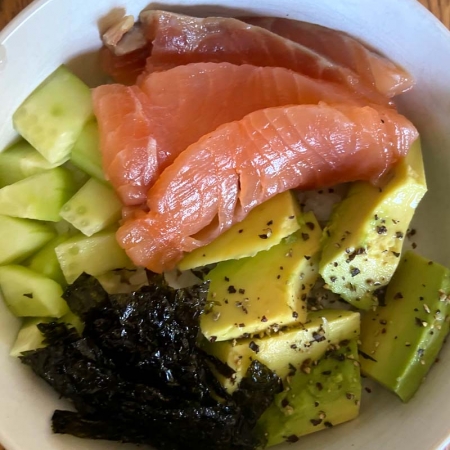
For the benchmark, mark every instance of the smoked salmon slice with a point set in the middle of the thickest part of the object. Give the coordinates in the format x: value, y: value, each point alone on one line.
x: 216, y: 181
x: 143, y: 128
x: 178, y: 39
x: 341, y: 49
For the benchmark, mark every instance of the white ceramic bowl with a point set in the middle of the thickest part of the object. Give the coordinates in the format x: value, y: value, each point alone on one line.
x: 51, y: 32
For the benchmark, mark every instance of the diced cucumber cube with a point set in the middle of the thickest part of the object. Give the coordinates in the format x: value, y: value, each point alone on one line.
x: 19, y: 238
x: 29, y: 336
x: 86, y: 153
x: 30, y: 294
x: 52, y: 117
x: 40, y: 196
x: 46, y: 262
x: 20, y: 161
x: 94, y: 255
x: 93, y: 208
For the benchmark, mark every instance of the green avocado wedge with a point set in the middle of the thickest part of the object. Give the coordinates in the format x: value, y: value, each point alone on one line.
x: 325, y: 395
x: 362, y: 244
x: 400, y: 341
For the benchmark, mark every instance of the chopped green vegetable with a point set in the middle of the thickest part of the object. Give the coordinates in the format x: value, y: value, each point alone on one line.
x: 19, y: 238
x: 30, y: 294
x: 39, y: 197
x: 94, y: 255
x: 93, y: 208
x: 20, y: 161
x: 52, y: 117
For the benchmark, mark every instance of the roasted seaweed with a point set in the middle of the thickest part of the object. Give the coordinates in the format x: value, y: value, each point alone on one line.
x: 137, y: 375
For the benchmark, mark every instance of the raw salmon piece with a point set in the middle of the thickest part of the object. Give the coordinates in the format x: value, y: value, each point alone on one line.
x: 124, y: 68
x: 341, y: 49
x: 216, y: 181
x: 179, y: 39
x: 170, y: 110
x: 125, y: 129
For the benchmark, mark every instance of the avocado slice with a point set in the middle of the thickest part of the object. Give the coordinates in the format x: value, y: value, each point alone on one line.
x: 263, y: 228
x: 285, y: 351
x: 250, y: 295
x: 363, y: 241
x: 326, y: 395
x: 402, y: 339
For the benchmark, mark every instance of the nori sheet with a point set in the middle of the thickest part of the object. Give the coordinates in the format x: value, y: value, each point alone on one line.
x: 137, y: 375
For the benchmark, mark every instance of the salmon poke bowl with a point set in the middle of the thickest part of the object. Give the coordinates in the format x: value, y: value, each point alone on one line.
x: 224, y: 226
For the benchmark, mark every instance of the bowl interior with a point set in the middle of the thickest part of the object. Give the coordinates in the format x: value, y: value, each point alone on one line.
x: 61, y: 31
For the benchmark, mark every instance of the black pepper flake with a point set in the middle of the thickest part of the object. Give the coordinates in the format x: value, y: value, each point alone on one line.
x: 368, y: 390
x: 278, y: 277
x: 213, y: 339
x: 295, y: 314
x: 316, y: 404
x: 411, y: 232
x: 294, y: 347
x: 398, y: 295
x: 241, y: 325
x: 328, y: 424
x: 382, y: 121
x: 318, y: 337
x: 396, y: 254
x: 241, y: 230
x: 226, y: 279
x: 307, y: 257
x: 270, y: 222
x: 231, y: 290
x: 254, y: 347
x: 395, y: 222
x: 291, y: 217
x: 263, y: 236
x: 376, y: 216
x: 305, y: 236
x: 316, y: 422
x: 310, y: 225
x: 383, y: 322
x: 333, y: 279
x: 284, y: 402
x: 420, y: 352
x: 420, y: 322
x: 241, y: 291
x: 399, y: 235
x: 281, y: 268
x: 381, y: 229
x: 326, y: 372
x: 354, y: 271
x: 420, y: 298
x: 263, y: 319
x: 319, y: 386
x: 292, y: 439
x: 350, y: 396
x: 414, y: 245
x: 28, y: 295
x: 335, y: 264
